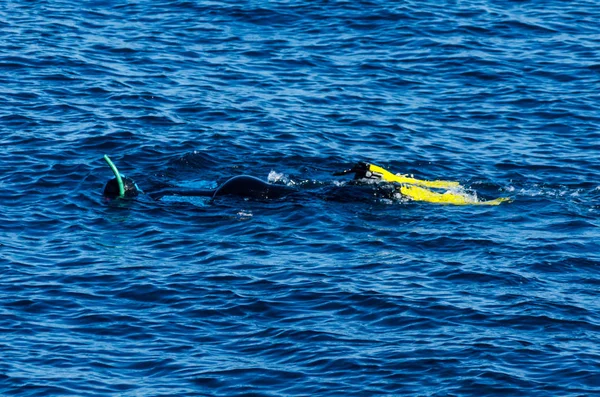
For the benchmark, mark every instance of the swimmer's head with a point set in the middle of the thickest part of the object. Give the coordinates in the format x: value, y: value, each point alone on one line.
x: 112, y: 190
x: 119, y: 186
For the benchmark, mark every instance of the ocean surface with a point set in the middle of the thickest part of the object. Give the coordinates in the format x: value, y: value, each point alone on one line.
x: 334, y: 291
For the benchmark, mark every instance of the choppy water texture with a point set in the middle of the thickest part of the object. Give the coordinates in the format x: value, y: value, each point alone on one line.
x: 329, y: 293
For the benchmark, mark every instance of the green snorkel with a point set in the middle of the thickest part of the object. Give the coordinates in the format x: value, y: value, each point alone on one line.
x: 115, y: 171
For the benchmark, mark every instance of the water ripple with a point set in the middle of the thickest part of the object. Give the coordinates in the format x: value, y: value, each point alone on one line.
x: 338, y: 290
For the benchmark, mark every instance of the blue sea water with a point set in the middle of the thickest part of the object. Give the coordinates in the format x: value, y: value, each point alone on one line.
x: 329, y: 293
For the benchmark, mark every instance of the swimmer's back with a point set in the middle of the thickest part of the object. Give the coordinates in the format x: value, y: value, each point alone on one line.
x: 249, y: 186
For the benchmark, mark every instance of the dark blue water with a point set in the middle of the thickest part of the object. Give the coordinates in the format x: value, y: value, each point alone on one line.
x: 329, y: 293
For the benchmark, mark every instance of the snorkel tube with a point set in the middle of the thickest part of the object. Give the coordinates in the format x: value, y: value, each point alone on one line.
x: 115, y: 171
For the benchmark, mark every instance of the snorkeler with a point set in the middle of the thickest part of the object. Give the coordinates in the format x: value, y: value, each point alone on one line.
x: 251, y: 187
x: 242, y: 186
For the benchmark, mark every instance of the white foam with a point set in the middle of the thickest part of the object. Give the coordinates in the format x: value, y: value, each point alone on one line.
x: 277, y: 177
x: 244, y: 214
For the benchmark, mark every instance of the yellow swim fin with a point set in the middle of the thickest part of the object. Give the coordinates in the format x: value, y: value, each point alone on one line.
x: 389, y: 177
x: 415, y: 189
x: 417, y: 193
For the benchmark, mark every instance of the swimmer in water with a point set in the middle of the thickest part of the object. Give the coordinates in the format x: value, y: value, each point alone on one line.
x: 250, y: 187
x: 242, y: 186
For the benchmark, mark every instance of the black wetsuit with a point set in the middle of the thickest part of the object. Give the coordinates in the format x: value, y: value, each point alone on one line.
x: 246, y: 186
